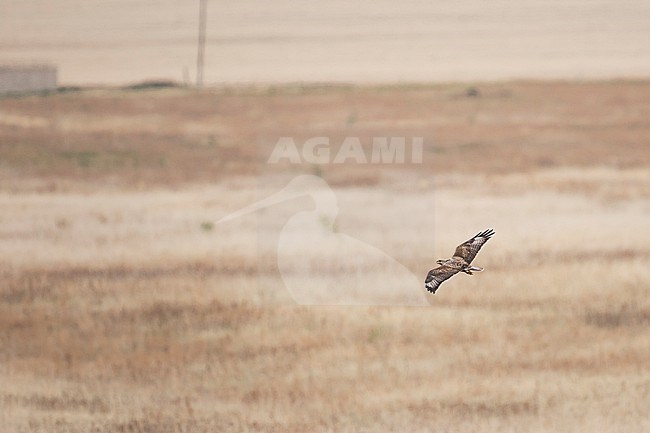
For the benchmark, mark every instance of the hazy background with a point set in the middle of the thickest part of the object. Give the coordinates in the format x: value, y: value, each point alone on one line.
x: 125, y: 307
x: 120, y: 41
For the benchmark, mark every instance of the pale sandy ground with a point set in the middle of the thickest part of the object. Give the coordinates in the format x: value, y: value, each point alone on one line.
x: 361, y: 41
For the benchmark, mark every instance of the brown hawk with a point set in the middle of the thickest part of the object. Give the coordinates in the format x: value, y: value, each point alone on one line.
x: 460, y: 262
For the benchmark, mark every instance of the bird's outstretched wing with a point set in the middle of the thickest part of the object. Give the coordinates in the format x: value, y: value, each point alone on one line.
x: 437, y: 276
x: 469, y: 249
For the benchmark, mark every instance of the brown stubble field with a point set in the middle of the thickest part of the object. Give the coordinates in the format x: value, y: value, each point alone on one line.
x: 124, y: 308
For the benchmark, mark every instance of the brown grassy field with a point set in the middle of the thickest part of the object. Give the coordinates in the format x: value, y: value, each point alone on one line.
x: 123, y: 308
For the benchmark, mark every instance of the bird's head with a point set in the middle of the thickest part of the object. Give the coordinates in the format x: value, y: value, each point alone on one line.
x: 440, y: 262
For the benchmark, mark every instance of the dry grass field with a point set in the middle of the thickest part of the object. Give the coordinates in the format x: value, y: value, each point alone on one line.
x: 124, y: 308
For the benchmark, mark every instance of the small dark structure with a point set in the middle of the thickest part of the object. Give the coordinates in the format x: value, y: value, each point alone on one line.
x: 27, y: 78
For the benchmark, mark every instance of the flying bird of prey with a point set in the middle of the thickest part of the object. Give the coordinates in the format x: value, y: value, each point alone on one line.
x: 460, y: 262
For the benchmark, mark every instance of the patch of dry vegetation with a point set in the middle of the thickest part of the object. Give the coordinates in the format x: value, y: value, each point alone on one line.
x: 123, y: 308
x: 171, y: 137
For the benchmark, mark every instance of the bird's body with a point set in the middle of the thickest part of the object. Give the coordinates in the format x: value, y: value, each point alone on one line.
x: 460, y: 262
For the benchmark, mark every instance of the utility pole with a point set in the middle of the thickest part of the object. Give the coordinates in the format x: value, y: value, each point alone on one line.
x: 199, y: 58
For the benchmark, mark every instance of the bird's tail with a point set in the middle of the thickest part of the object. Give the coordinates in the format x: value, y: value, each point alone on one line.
x: 475, y: 269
